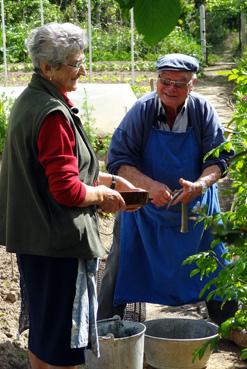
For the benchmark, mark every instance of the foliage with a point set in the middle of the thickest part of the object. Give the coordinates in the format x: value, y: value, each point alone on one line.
x: 222, y: 17
x: 154, y: 19
x: 231, y: 5
x: 222, y: 20
x: 110, y: 32
x: 174, y: 24
x: 28, y: 12
x: 20, y: 18
x: 238, y: 322
x: 115, y: 46
x: 211, y: 345
x: 231, y: 227
x: 5, y: 107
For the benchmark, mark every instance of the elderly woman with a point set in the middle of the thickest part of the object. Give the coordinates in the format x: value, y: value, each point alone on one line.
x: 50, y: 188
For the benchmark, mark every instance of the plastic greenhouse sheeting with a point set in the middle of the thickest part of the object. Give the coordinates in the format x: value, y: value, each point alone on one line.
x: 107, y: 103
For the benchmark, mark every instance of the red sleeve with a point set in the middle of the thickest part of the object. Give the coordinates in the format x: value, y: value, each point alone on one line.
x: 56, y: 142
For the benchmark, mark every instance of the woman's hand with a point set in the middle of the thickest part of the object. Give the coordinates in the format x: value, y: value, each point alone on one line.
x: 111, y: 200
x: 121, y: 185
x: 107, y: 199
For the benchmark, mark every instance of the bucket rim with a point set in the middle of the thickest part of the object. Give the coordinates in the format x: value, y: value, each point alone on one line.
x: 183, y: 339
x: 142, y: 332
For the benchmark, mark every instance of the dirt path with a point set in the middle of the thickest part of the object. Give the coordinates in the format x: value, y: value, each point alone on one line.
x: 216, y: 89
x: 13, y: 353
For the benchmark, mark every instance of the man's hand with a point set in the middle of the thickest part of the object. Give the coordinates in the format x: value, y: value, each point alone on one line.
x: 160, y: 194
x: 190, y: 190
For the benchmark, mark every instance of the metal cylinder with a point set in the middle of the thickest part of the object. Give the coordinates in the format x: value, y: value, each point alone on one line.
x: 121, y: 345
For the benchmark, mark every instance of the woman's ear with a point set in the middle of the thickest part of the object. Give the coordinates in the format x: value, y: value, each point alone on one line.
x: 46, y: 70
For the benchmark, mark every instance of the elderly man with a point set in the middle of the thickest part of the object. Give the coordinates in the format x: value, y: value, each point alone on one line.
x: 160, y: 146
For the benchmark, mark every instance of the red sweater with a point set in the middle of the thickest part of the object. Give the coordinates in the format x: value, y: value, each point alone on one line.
x: 56, y: 143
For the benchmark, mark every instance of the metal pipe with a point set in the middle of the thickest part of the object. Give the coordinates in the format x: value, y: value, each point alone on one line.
x: 41, y: 12
x: 4, y: 43
x: 90, y: 39
x: 184, y: 219
x: 203, y: 32
x: 132, y: 45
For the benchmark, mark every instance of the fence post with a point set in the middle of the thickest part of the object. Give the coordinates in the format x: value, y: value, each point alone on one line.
x: 4, y: 44
x: 242, y: 30
x: 203, y: 32
x: 132, y: 42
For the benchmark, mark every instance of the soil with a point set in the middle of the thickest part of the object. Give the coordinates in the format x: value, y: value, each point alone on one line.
x: 13, y: 350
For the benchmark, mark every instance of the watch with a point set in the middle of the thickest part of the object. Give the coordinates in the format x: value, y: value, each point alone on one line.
x: 113, y: 182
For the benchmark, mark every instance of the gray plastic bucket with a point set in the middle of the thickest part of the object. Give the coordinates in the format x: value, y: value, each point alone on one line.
x: 171, y: 342
x: 121, y: 345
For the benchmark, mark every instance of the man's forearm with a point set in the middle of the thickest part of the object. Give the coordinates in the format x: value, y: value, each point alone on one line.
x: 133, y: 175
x: 210, y: 175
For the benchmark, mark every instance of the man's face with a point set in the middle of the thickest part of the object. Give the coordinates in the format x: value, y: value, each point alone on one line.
x: 173, y: 87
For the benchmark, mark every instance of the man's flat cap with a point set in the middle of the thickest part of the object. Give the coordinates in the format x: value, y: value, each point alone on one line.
x: 178, y: 62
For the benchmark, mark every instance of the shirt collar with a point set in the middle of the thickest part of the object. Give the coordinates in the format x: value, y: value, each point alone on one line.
x: 68, y: 101
x: 161, y: 109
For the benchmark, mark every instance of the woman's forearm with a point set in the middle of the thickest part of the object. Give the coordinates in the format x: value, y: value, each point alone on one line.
x: 115, y: 181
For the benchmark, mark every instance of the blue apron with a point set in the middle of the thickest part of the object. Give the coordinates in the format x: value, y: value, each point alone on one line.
x: 152, y: 248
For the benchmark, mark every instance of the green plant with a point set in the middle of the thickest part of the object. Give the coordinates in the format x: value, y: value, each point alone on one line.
x: 100, y: 143
x: 231, y: 227
x: 5, y: 107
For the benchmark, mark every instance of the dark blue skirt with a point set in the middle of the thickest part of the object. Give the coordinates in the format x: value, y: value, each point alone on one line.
x: 50, y: 285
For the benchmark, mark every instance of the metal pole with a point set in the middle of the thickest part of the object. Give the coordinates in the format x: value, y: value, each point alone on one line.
x: 132, y: 42
x: 41, y: 12
x: 203, y: 32
x: 90, y: 39
x: 243, y: 30
x: 4, y: 43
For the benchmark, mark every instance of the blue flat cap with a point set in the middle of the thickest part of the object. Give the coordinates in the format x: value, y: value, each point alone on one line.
x: 178, y: 62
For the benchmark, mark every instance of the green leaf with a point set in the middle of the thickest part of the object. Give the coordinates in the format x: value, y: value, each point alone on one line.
x: 194, y: 272
x: 244, y: 354
x: 155, y: 19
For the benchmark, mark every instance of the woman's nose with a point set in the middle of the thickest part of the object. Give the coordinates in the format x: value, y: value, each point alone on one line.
x: 82, y: 71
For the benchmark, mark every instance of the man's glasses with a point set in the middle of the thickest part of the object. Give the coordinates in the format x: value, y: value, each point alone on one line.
x: 177, y: 84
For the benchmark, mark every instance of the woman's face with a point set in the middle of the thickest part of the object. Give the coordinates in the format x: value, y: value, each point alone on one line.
x: 173, y: 87
x: 65, y: 78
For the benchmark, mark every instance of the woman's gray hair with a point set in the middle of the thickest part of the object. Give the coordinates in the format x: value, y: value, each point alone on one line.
x: 54, y: 43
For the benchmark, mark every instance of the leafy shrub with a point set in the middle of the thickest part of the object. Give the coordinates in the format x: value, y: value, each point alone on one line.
x: 115, y: 45
x: 15, y: 39
x: 5, y: 107
x: 231, y: 282
x: 20, y: 18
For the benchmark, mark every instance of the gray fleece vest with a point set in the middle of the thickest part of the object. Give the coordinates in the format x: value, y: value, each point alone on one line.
x: 31, y: 221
